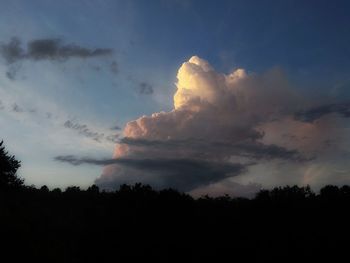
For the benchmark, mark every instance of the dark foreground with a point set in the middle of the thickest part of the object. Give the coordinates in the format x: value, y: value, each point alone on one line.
x: 138, y: 223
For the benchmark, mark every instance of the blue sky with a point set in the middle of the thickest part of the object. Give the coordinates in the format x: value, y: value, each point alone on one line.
x: 308, y: 40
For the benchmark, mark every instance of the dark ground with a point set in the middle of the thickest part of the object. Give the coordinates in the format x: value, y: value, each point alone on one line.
x: 138, y: 223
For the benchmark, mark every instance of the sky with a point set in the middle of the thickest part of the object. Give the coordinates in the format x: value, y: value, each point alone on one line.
x: 208, y: 97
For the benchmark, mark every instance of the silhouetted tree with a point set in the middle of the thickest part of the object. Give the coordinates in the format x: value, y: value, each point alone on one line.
x: 44, y: 189
x: 56, y: 191
x: 263, y: 195
x: 93, y: 189
x: 345, y: 190
x: 72, y: 190
x: 330, y: 192
x: 8, y: 169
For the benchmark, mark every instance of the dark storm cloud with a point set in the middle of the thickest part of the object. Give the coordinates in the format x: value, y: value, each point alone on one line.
x: 254, y: 150
x: 316, y: 113
x: 182, y: 174
x: 47, y: 49
x: 145, y: 88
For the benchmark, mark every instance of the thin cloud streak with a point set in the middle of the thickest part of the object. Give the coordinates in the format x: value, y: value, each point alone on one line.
x: 313, y: 114
x: 249, y: 149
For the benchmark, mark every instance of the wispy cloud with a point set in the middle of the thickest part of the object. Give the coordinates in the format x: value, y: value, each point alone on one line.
x: 84, y: 130
x: 310, y: 115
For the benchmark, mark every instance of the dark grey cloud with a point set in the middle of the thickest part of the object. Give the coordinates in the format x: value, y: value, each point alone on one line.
x: 84, y: 130
x: 310, y: 115
x: 182, y: 174
x: 47, y: 49
x: 73, y: 160
x: 55, y: 49
x: 12, y: 51
x: 185, y: 174
x: 145, y: 88
x: 249, y: 149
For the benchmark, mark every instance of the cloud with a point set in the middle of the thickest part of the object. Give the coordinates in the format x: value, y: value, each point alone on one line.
x: 145, y: 88
x: 12, y: 51
x: 250, y: 149
x: 54, y: 49
x: 84, y: 130
x: 47, y: 49
x: 73, y: 160
x: 217, y: 118
x: 183, y: 174
x: 224, y: 132
x: 310, y: 115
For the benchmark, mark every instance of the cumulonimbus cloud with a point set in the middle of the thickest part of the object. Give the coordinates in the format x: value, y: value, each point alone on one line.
x: 217, y: 118
x: 223, y: 126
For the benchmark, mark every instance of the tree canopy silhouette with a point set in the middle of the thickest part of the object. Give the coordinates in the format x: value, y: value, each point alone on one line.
x: 139, y: 223
x: 8, y: 170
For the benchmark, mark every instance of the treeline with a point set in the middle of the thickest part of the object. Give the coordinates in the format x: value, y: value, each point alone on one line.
x: 138, y: 223
x: 147, y: 193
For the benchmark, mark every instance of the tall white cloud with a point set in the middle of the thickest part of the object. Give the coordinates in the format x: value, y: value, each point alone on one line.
x: 219, y: 120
